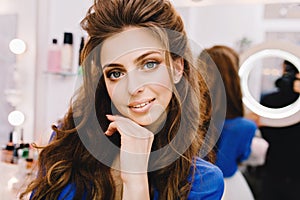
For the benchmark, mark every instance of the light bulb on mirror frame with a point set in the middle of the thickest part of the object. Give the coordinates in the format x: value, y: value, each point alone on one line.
x: 16, y: 118
x: 17, y: 46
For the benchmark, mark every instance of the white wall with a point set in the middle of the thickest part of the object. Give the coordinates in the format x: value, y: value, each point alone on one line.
x: 224, y: 24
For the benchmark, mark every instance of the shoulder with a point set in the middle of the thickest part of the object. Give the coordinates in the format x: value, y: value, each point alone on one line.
x: 249, y: 123
x: 68, y: 193
x: 207, y: 182
x: 243, y: 122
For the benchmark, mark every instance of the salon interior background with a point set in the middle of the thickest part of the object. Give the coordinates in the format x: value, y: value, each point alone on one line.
x: 44, y: 97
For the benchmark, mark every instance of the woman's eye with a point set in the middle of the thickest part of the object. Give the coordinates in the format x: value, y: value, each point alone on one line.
x: 114, y: 74
x: 150, y: 65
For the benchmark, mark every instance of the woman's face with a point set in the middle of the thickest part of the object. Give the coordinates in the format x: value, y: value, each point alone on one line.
x: 136, y: 75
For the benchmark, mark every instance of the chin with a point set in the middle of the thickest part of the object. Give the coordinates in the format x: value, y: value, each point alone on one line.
x: 154, y: 124
x: 144, y: 122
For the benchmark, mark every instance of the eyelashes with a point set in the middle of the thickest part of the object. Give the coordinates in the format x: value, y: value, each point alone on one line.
x: 116, y: 73
x: 150, y: 65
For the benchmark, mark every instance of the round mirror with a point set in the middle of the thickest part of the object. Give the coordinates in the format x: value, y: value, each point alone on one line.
x: 263, y: 74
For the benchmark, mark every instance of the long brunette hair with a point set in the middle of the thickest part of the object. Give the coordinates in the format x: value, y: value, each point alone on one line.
x: 66, y: 159
x: 226, y: 60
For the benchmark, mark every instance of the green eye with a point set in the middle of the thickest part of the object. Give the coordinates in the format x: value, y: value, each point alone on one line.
x: 115, y: 74
x: 150, y: 65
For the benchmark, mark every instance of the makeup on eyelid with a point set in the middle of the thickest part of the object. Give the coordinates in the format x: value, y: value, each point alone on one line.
x: 120, y: 71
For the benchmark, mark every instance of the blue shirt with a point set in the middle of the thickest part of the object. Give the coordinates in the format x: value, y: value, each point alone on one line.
x: 234, y: 144
x: 208, y: 184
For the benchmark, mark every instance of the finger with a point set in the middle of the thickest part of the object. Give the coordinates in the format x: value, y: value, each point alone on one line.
x: 111, y: 117
x: 127, y: 127
x: 130, y: 128
x: 112, y: 128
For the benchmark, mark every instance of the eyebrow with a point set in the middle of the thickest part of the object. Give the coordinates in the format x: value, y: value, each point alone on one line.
x: 137, y: 60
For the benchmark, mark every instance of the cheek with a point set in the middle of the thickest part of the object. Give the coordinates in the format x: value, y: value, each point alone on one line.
x: 164, y: 93
x: 116, y: 92
x: 109, y: 88
x: 166, y: 96
x: 162, y: 78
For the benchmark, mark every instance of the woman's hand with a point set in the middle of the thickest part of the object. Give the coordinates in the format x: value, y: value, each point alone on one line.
x: 136, y: 142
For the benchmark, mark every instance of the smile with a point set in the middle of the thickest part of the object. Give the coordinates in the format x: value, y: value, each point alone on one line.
x: 141, y: 105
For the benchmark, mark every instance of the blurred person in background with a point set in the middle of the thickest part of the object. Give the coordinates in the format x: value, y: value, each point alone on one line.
x: 234, y: 144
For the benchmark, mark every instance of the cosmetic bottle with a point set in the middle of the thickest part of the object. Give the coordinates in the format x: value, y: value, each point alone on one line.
x: 18, y: 152
x: 54, y: 57
x: 29, y: 160
x: 25, y: 152
x: 15, y: 156
x: 8, y: 152
x: 21, y: 143
x: 67, y: 53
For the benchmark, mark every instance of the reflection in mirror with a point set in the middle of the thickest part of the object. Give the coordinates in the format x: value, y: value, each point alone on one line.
x: 284, y: 94
x: 274, y: 87
x: 8, y: 24
x: 251, y: 74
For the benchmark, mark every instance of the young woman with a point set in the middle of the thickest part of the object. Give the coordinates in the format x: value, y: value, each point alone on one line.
x: 137, y: 125
x: 234, y: 144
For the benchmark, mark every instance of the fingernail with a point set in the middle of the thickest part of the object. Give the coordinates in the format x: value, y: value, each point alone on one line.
x: 109, y: 116
x: 107, y: 133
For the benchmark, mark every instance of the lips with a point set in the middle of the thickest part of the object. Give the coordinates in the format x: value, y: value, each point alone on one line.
x: 140, y: 104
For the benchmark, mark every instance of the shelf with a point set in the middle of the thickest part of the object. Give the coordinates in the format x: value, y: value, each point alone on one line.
x: 61, y: 73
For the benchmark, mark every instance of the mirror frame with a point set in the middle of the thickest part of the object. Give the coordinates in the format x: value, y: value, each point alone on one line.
x: 270, y: 116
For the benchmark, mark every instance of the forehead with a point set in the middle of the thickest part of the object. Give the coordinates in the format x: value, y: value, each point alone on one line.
x: 128, y: 41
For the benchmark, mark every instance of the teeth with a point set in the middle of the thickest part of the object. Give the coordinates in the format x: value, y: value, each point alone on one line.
x: 141, y: 105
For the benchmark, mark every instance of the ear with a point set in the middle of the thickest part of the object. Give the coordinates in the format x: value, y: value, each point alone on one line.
x: 178, y: 65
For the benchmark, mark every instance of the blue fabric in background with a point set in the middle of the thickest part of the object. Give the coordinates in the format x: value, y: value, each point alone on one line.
x: 234, y: 144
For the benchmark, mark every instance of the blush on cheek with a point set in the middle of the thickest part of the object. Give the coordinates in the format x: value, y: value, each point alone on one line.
x: 155, y: 111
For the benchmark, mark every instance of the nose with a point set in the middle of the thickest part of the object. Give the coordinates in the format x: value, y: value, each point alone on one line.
x: 135, y: 84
